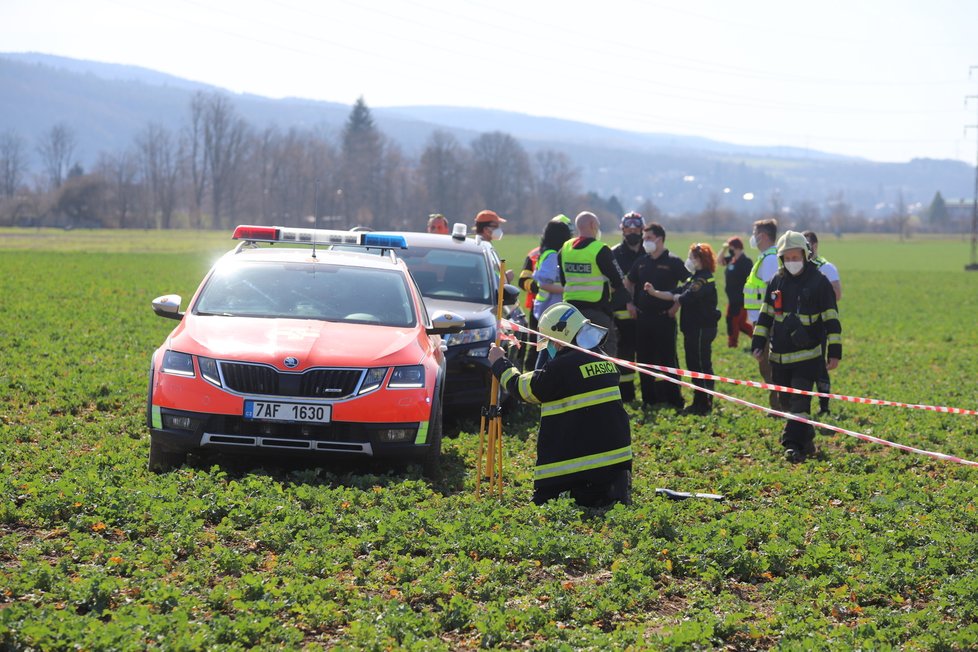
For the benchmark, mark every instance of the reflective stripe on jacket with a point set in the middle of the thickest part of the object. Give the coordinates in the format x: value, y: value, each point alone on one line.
x: 584, y: 429
x: 755, y: 286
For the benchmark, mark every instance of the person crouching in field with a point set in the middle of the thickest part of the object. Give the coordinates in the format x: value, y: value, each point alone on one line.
x: 697, y: 320
x: 584, y: 445
x: 798, y: 316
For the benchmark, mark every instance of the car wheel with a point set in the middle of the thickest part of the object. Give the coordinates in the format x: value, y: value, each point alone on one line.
x: 161, y: 461
x: 432, y: 459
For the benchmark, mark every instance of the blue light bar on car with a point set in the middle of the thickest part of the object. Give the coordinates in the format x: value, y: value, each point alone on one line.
x: 384, y: 241
x: 318, y: 237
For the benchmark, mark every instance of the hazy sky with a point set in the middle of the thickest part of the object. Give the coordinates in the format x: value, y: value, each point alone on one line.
x: 881, y: 79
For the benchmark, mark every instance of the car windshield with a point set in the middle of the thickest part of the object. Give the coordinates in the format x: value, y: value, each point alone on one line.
x: 308, y: 291
x: 449, y: 274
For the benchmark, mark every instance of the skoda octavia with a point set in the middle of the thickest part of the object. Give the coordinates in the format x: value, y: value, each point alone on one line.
x: 301, y: 349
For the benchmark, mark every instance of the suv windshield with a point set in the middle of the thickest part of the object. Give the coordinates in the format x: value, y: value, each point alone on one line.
x: 308, y: 291
x: 449, y: 274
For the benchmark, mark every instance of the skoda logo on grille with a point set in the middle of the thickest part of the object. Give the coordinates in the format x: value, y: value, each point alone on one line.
x: 291, y: 362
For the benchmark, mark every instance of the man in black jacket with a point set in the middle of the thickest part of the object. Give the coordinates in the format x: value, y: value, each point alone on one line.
x: 623, y: 308
x: 798, y: 317
x: 656, y: 324
x: 585, y: 444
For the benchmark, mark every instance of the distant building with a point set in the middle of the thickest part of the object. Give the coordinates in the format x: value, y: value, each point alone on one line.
x: 959, y: 214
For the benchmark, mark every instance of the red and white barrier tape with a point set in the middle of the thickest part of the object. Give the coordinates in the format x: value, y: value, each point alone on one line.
x: 642, y: 369
x: 777, y: 388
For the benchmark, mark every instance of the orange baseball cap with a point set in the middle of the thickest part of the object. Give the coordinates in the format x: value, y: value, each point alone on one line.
x: 488, y: 216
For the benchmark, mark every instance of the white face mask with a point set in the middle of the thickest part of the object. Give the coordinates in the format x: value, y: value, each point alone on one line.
x: 753, y: 242
x: 497, y: 234
x: 597, y: 236
x: 794, y: 267
x: 649, y: 246
x: 690, y: 265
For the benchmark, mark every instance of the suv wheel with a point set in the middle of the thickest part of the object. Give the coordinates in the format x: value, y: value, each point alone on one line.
x: 161, y: 461
x: 432, y: 459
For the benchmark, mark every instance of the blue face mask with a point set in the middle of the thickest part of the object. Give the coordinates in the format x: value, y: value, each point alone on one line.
x: 552, y: 350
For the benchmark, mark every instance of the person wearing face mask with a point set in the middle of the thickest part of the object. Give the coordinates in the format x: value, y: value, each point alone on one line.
x: 798, y: 317
x: 737, y: 268
x: 698, y: 319
x: 590, y: 276
x: 765, y: 267
x: 831, y: 272
x: 656, y: 322
x: 623, y: 309
x: 487, y: 229
x: 487, y: 226
x: 584, y: 444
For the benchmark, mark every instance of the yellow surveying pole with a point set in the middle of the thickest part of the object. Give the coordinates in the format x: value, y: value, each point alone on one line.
x: 491, y: 423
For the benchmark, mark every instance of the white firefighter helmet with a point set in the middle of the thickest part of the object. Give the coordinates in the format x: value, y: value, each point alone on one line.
x: 565, y: 323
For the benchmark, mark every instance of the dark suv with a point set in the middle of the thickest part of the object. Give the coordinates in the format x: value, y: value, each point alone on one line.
x: 460, y: 275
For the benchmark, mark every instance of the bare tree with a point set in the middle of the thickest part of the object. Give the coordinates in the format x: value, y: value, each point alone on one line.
x: 650, y: 211
x: 122, y: 193
x: 441, y: 172
x: 808, y: 215
x: 501, y: 174
x: 158, y: 160
x: 225, y: 142
x: 193, y: 155
x: 56, y: 149
x: 900, y: 216
x: 558, y: 181
x: 401, y: 202
x: 13, y: 163
x: 840, y: 213
x: 711, y: 215
x: 777, y: 204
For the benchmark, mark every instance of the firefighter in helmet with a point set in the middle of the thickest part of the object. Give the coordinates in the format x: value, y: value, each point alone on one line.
x: 584, y: 442
x: 797, y: 318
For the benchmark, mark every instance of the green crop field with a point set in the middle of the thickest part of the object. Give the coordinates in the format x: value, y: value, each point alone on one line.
x: 864, y: 547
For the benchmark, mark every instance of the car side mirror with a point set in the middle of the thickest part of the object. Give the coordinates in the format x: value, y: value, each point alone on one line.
x: 511, y: 294
x: 444, y: 322
x: 168, y: 306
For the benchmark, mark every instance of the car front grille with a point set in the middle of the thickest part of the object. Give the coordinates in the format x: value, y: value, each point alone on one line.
x: 313, y: 383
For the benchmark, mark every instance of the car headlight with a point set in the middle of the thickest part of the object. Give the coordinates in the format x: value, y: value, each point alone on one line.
x: 208, y: 369
x: 181, y: 364
x: 407, y: 377
x: 372, y: 379
x: 471, y: 336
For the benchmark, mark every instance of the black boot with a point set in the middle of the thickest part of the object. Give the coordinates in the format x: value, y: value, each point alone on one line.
x: 702, y: 404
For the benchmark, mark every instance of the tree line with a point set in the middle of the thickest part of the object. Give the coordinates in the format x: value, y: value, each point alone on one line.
x: 217, y: 170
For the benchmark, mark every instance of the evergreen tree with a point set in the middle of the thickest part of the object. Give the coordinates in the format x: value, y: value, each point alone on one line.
x: 362, y: 165
x: 937, y: 213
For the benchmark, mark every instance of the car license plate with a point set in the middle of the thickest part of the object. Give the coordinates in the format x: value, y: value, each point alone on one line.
x: 292, y: 412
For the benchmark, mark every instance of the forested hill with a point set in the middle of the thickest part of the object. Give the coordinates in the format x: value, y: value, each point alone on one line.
x: 106, y: 105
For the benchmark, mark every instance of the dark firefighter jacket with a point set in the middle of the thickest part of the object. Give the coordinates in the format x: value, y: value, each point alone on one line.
x: 798, y: 315
x: 584, y: 429
x: 626, y: 257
